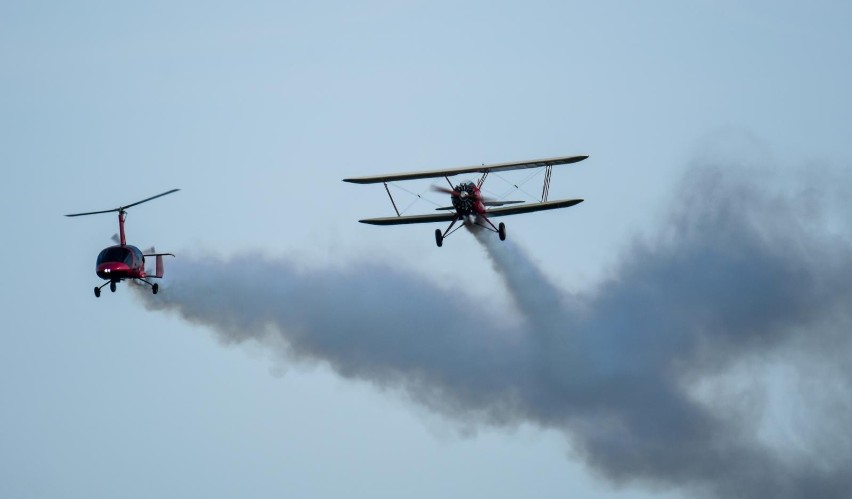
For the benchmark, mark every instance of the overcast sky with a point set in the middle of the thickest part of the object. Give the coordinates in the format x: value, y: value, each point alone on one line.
x: 257, y: 110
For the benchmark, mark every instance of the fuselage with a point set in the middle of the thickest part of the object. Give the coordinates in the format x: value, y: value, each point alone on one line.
x: 120, y: 262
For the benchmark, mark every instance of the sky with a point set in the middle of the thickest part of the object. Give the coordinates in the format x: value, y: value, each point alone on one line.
x: 709, y: 125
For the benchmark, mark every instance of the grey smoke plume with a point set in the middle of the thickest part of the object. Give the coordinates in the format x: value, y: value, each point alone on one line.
x: 665, y: 374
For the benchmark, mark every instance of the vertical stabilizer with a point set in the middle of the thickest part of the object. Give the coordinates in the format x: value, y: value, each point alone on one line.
x: 160, y: 269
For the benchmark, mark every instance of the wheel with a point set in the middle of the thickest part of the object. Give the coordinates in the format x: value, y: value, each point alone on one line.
x: 97, y: 292
x: 501, y: 230
x: 155, y: 287
x: 439, y: 238
x: 112, y: 286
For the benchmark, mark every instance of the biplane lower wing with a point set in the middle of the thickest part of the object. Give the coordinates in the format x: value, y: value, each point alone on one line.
x: 410, y: 219
x: 531, y: 207
x: 494, y: 212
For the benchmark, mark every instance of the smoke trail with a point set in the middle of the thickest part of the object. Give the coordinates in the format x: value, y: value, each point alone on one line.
x: 641, y: 374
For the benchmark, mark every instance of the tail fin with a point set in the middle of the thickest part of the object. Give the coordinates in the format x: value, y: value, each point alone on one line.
x: 160, y: 267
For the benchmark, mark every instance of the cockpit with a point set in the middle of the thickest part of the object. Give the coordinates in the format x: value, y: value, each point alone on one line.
x: 120, y: 254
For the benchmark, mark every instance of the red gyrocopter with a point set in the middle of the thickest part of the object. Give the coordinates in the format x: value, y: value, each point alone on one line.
x: 125, y: 261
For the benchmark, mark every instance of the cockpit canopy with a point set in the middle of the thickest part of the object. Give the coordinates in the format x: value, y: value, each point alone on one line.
x: 130, y: 255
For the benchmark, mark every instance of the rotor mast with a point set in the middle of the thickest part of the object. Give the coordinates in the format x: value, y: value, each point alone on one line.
x: 121, y: 216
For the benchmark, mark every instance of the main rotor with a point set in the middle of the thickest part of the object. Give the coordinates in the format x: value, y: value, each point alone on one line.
x: 122, y: 212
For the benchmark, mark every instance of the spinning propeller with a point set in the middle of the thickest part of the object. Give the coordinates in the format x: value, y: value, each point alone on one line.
x: 459, y: 193
x: 445, y: 190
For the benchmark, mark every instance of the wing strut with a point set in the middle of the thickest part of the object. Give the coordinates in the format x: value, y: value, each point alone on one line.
x: 482, y: 179
x: 391, y: 198
x: 545, y: 190
x: 478, y: 183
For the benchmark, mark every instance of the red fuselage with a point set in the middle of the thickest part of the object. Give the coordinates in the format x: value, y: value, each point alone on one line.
x: 120, y: 262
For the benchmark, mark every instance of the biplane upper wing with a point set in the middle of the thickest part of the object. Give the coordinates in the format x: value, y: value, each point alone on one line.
x: 497, y: 167
x: 531, y: 207
x: 410, y: 219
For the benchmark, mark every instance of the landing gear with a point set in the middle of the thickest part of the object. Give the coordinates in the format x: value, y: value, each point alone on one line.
x: 99, y: 288
x: 440, y: 236
x: 155, y: 287
x: 112, y: 286
x: 501, y: 231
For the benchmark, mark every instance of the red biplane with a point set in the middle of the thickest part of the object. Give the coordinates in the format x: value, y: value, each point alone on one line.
x: 468, y: 204
x: 125, y: 261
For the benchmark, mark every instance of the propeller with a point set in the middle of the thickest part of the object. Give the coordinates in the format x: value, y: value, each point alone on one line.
x: 445, y: 190
x: 460, y: 194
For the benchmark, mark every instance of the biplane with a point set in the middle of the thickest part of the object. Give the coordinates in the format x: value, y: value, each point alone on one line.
x: 125, y: 261
x: 468, y: 204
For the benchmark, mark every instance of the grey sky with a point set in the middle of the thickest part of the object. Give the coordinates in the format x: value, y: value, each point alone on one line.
x: 257, y: 111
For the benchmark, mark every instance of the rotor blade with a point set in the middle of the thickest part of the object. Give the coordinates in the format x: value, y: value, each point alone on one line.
x: 121, y: 208
x: 92, y: 213
x: 150, y: 198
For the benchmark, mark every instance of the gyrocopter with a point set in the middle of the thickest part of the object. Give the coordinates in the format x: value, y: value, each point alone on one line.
x: 125, y: 261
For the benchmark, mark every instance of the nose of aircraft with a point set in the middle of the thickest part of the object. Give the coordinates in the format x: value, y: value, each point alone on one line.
x: 110, y: 269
